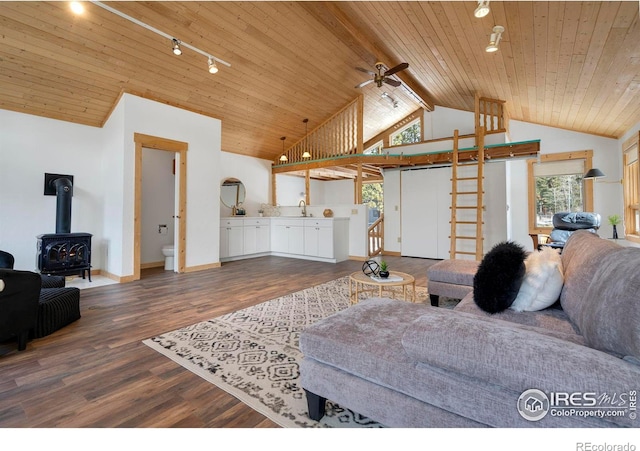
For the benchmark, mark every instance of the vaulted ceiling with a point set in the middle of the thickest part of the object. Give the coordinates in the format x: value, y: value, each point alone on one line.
x: 574, y: 65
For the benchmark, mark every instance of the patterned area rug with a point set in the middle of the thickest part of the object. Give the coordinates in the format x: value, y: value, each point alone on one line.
x: 253, y: 353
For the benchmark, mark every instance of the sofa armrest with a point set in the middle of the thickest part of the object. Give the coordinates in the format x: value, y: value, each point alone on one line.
x: 511, y: 356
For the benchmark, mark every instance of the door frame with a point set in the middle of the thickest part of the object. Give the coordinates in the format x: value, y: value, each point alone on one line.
x: 167, y: 145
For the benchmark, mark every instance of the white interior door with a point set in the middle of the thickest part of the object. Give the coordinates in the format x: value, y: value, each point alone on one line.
x: 425, y: 213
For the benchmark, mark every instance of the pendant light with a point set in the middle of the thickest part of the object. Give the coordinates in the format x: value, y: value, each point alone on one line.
x: 306, y: 153
x: 482, y: 9
x: 283, y: 157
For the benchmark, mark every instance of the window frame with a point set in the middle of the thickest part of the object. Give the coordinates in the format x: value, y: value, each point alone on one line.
x: 417, y: 121
x: 631, y: 229
x: 586, y: 155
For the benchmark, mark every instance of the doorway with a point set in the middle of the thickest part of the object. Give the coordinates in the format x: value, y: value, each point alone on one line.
x: 180, y: 150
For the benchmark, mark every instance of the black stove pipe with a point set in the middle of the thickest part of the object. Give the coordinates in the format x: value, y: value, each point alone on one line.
x: 64, y: 191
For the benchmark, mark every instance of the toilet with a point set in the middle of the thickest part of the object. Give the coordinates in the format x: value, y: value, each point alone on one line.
x: 167, y: 251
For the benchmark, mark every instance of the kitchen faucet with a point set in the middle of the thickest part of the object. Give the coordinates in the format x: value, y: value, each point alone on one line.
x: 303, y: 204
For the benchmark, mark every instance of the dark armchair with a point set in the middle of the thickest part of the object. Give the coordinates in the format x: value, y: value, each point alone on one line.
x: 565, y: 223
x: 18, y: 304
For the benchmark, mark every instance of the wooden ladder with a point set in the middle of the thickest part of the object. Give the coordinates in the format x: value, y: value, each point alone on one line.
x: 466, y: 215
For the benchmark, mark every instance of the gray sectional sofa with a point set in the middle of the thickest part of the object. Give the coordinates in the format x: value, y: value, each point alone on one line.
x: 414, y: 365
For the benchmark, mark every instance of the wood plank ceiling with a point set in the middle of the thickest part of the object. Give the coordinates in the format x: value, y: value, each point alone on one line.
x: 574, y: 65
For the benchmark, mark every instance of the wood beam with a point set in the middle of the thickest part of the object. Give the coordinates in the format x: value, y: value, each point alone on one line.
x: 362, y: 42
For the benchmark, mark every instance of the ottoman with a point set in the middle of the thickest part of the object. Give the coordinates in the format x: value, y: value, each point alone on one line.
x: 57, y: 308
x: 451, y: 278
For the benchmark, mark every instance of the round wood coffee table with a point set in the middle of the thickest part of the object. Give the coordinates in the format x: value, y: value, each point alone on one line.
x: 361, y: 283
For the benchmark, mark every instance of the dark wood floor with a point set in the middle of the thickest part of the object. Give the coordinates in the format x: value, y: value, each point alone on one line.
x: 97, y: 373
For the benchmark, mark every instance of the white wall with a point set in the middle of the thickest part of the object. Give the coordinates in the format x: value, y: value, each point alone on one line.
x: 102, y: 163
x: 203, y: 135
x: 158, y: 204
x: 29, y: 147
x: 607, y: 192
x: 255, y: 175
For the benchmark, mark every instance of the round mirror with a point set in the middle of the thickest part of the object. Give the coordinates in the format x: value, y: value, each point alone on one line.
x: 232, y: 192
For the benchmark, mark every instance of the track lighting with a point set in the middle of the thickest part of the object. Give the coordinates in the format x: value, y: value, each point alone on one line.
x: 482, y: 9
x: 495, y: 39
x: 176, y: 44
x: 176, y: 47
x: 283, y: 157
x: 306, y: 153
x: 213, y: 69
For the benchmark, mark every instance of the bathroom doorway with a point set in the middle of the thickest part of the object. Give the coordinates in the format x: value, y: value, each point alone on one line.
x: 179, y: 150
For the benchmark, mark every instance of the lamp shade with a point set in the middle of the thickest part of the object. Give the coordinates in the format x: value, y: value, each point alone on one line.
x: 593, y: 173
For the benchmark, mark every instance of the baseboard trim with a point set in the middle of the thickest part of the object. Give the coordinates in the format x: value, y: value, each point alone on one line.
x: 151, y: 265
x: 358, y: 258
x: 202, y: 267
x: 119, y: 279
x: 392, y: 253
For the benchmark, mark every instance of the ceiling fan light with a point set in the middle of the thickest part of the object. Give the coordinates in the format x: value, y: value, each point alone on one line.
x: 306, y: 154
x: 213, y: 69
x: 176, y: 47
x: 482, y: 9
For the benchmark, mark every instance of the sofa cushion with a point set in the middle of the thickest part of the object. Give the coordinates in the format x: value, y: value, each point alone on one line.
x: 550, y: 321
x: 453, y: 271
x: 507, y: 355
x: 610, y: 318
x: 581, y: 257
x: 499, y: 276
x: 542, y: 282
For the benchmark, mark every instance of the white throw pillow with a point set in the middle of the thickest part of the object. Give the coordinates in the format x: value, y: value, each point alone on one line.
x: 1, y: 284
x: 542, y: 282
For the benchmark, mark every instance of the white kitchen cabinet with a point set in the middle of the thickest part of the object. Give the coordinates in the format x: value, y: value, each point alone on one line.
x: 256, y: 235
x: 318, y: 238
x: 231, y: 238
x: 287, y: 236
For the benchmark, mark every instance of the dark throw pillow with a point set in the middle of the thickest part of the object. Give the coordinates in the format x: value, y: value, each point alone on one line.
x: 499, y: 276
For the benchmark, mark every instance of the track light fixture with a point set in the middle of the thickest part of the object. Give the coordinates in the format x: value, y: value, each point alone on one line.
x: 482, y: 9
x: 283, y: 157
x: 213, y: 69
x: 176, y: 47
x: 306, y: 153
x: 495, y: 39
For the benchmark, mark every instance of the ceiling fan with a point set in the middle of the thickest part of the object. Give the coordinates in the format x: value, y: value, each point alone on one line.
x: 382, y: 77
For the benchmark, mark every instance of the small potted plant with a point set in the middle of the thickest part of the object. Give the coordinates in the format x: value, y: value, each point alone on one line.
x: 260, y: 212
x: 384, y: 270
x: 614, y: 220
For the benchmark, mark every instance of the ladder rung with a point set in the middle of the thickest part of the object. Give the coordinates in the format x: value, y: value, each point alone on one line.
x: 465, y: 238
x: 468, y: 208
x: 465, y: 253
x: 466, y: 222
x: 475, y: 163
x: 464, y: 178
x: 465, y: 192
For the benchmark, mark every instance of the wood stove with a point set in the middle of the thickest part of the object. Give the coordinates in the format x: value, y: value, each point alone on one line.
x: 63, y: 253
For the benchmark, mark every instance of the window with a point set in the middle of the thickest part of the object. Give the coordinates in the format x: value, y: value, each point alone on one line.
x: 373, y: 196
x: 556, y: 185
x: 631, y: 184
x: 412, y: 133
x: 376, y: 149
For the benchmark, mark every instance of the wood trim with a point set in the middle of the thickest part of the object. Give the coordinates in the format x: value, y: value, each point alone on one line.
x: 357, y: 258
x: 392, y: 253
x: 168, y: 145
x: 586, y: 155
x: 151, y: 265
x: 202, y: 267
x: 274, y: 200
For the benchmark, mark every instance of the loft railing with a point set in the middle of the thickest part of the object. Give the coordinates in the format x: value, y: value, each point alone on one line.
x: 490, y: 114
x: 341, y: 134
x: 375, y: 234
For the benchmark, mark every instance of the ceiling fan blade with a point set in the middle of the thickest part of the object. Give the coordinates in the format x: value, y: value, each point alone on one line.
x: 392, y: 82
x: 366, y: 71
x: 398, y: 68
x: 364, y: 83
